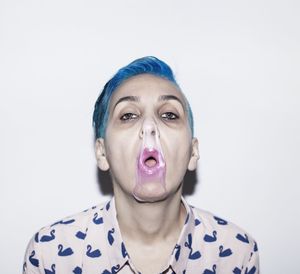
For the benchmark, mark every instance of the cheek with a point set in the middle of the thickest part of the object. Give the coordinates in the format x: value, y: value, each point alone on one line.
x: 121, y: 151
x: 178, y: 153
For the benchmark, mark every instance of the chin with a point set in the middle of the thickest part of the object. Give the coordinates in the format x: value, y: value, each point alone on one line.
x: 150, y: 192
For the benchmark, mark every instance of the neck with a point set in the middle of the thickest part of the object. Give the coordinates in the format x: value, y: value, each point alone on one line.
x: 150, y: 222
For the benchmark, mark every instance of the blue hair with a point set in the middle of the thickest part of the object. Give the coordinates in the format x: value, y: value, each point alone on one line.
x: 149, y: 65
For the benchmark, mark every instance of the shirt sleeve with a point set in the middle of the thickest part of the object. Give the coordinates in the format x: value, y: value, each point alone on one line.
x: 32, y: 259
x: 252, y: 266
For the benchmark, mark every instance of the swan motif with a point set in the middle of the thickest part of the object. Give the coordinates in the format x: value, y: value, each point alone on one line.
x: 209, y: 238
x: 255, y: 247
x: 208, y: 271
x: 62, y: 222
x: 48, y: 238
x: 80, y: 235
x: 243, y: 238
x: 110, y: 237
x: 52, y: 271
x: 36, y: 237
x: 124, y: 251
x: 195, y: 255
x: 67, y: 222
x: 197, y: 222
x: 33, y: 261
x: 107, y: 206
x: 189, y: 241
x: 114, y: 270
x: 188, y: 244
x: 236, y: 270
x: 220, y: 221
x: 224, y: 253
x: 96, y: 220
x: 77, y: 270
x: 177, y: 251
x: 93, y: 254
x: 64, y: 252
x: 251, y: 271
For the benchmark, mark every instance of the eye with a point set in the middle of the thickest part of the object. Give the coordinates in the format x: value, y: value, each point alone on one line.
x: 169, y: 116
x: 128, y: 116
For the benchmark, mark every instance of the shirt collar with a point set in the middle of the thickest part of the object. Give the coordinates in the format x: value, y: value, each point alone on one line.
x: 118, y: 255
x: 182, y: 250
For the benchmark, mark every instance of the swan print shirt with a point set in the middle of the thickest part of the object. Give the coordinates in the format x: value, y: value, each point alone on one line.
x: 90, y: 242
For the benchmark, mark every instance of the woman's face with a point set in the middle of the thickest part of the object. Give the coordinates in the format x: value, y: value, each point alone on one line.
x: 151, y: 100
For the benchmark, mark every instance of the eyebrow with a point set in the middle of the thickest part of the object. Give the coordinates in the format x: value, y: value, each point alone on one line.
x: 137, y: 99
x: 127, y: 98
x: 170, y: 97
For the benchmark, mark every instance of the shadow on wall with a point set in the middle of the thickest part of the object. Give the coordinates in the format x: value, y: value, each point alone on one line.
x: 105, y: 182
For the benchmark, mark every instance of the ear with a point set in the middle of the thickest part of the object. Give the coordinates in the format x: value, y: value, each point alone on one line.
x: 102, y: 162
x: 194, y: 155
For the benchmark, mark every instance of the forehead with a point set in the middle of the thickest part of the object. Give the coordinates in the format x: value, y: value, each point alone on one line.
x: 146, y: 86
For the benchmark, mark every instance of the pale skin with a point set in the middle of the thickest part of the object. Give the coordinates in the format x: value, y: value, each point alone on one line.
x: 150, y: 230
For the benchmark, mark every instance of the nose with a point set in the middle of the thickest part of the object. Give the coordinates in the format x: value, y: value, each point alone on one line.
x: 149, y: 132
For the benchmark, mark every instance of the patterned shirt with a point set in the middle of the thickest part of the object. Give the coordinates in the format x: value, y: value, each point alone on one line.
x: 90, y: 242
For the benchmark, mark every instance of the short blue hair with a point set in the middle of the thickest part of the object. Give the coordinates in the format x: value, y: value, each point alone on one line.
x: 144, y: 65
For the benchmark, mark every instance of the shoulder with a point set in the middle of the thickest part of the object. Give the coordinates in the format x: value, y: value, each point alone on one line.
x: 61, y: 238
x: 211, y: 221
x: 223, y: 245
x: 226, y: 233
x: 75, y: 222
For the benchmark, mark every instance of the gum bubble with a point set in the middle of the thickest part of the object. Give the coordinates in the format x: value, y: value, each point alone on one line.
x: 150, y: 179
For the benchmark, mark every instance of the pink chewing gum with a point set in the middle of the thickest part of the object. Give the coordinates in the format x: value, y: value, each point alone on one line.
x: 151, y: 166
x: 151, y: 163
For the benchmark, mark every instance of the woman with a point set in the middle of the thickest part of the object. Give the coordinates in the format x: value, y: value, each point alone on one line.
x: 144, y: 137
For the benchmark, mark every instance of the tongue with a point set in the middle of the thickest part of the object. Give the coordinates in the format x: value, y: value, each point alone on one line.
x: 150, y: 162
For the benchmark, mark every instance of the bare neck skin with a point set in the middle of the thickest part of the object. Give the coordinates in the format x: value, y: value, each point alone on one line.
x: 150, y: 230
x: 150, y: 222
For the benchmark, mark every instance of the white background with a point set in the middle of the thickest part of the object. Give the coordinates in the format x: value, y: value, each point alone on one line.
x: 237, y: 62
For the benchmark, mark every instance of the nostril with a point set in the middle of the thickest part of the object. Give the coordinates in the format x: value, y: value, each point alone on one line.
x: 149, y: 128
x: 141, y: 133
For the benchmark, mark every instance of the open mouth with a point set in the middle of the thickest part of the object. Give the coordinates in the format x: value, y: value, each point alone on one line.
x: 150, y: 158
x: 150, y: 162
